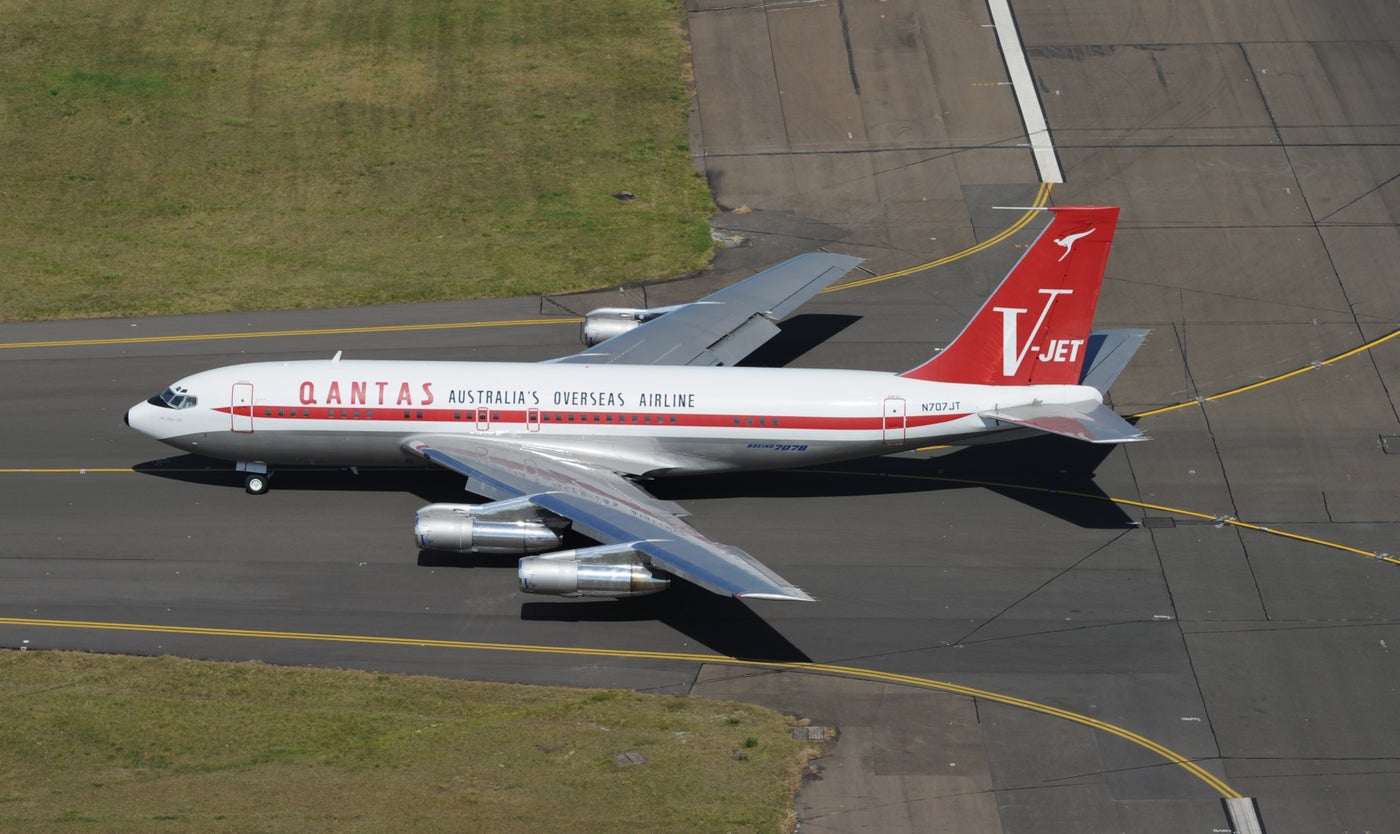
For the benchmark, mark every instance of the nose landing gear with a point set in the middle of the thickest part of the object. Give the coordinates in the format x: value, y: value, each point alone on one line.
x: 258, y: 480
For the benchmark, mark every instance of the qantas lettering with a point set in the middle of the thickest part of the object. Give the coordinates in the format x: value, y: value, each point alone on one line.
x: 367, y: 393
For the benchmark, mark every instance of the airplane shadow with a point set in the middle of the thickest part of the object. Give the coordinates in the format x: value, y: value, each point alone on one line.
x: 1051, y: 474
x: 1054, y: 475
x: 428, y: 483
x: 797, y: 335
x: 723, y: 624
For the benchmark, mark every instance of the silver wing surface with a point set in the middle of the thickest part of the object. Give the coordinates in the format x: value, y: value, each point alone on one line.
x: 723, y: 327
x: 1091, y: 422
x: 608, y: 507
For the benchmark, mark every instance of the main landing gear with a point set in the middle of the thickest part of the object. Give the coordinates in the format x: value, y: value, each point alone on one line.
x: 258, y: 480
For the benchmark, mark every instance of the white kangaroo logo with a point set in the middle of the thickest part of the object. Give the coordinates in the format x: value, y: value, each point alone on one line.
x: 1068, y: 241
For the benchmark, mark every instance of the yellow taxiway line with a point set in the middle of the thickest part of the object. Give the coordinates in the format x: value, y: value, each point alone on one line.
x: 1271, y: 380
x: 64, y: 471
x: 1041, y: 198
x: 1171, y: 756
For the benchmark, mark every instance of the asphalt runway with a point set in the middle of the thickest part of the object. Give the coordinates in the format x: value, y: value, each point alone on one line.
x: 1007, y: 637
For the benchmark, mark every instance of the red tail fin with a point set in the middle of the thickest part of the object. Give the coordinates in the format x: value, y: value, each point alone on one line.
x: 1034, y: 328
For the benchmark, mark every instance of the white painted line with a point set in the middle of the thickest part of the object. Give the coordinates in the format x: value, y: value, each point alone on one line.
x: 1244, y: 815
x: 1015, y: 56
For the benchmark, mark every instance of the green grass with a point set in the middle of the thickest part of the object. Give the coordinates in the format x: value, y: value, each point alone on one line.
x: 118, y: 744
x: 165, y: 157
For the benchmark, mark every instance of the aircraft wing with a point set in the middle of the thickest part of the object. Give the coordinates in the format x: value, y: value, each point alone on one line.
x: 608, y: 507
x: 1092, y: 422
x: 723, y: 327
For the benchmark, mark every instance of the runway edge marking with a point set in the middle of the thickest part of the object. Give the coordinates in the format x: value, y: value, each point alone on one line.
x: 1027, y: 99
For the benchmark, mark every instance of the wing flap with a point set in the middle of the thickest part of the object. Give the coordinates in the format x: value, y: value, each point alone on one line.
x: 1089, y: 421
x: 696, y: 566
x: 743, y: 340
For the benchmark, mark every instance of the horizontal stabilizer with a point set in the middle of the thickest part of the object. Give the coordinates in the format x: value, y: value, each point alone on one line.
x: 1089, y: 421
x: 1107, y: 354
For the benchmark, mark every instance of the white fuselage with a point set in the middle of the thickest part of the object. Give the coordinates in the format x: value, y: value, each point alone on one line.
x: 637, y: 419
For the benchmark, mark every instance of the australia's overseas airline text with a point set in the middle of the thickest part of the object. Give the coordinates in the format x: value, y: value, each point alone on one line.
x: 385, y: 393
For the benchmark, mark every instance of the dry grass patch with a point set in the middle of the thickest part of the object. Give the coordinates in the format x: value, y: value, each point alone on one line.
x: 181, y: 156
x: 114, y: 744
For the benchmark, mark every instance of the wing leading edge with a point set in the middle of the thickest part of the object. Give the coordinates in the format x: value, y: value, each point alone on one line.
x: 725, y: 326
x: 608, y: 507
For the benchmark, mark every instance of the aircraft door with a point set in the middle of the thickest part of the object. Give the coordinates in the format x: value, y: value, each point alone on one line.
x: 241, y: 408
x: 483, y: 419
x: 532, y: 420
x: 894, y: 421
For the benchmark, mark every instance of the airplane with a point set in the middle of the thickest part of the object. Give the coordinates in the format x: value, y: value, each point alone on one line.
x: 564, y: 444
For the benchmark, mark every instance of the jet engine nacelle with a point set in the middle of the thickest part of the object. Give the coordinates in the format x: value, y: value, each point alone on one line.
x: 608, y: 571
x: 606, y: 322
x: 512, y: 526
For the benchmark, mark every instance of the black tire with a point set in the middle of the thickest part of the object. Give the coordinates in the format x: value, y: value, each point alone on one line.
x: 256, y: 484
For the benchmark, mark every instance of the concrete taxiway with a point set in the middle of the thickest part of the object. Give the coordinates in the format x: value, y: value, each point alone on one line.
x: 1008, y: 638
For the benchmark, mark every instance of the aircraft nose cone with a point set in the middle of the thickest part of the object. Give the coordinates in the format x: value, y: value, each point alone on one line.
x: 126, y: 418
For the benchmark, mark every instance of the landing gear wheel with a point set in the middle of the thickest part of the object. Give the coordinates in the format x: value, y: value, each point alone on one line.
x: 256, y: 484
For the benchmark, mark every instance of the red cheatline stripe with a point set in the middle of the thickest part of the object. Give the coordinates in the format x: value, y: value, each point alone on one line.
x: 400, y: 414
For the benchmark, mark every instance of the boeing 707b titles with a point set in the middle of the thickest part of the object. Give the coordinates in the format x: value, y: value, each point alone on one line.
x: 562, y: 444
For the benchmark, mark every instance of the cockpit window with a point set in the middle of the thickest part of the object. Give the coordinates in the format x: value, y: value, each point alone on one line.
x: 176, y: 396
